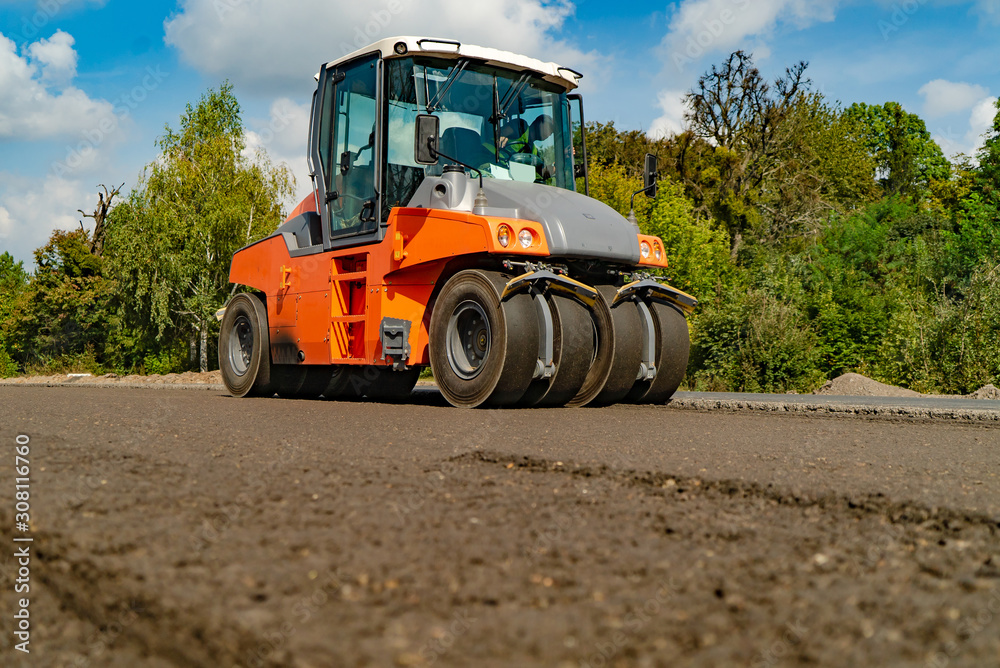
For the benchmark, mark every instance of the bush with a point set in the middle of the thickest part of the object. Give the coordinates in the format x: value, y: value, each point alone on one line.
x: 752, y: 341
x: 8, y: 367
x: 80, y: 362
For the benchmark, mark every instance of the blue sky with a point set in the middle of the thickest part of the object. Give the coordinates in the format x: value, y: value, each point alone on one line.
x: 86, y: 86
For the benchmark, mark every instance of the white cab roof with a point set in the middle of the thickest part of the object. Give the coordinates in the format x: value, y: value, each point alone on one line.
x: 446, y: 48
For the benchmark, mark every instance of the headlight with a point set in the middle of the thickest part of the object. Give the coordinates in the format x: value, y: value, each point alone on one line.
x: 644, y: 249
x: 526, y: 238
x: 657, y: 252
x: 503, y: 236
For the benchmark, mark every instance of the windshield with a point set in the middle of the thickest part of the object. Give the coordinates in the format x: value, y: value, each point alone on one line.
x: 510, y: 125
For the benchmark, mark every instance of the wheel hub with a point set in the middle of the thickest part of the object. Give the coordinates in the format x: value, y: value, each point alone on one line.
x: 468, y: 340
x: 241, y: 345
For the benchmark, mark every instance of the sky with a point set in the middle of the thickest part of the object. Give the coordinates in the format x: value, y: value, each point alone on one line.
x: 88, y: 86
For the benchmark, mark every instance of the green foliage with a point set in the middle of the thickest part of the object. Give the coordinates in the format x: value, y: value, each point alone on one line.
x: 698, y: 253
x: 82, y: 361
x: 65, y: 307
x: 170, y: 243
x: 753, y: 341
x: 13, y: 281
x: 817, y: 240
x: 908, y: 159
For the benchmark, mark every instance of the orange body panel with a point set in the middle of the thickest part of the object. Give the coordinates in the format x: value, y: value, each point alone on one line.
x: 330, y: 305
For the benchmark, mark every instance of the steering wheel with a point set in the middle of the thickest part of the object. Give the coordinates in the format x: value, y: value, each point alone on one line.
x: 528, y: 159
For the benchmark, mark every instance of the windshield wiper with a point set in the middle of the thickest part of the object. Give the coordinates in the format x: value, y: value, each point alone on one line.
x: 442, y: 91
x: 513, y: 93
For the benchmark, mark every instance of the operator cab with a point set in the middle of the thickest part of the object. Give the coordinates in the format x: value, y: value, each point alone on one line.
x: 504, y: 114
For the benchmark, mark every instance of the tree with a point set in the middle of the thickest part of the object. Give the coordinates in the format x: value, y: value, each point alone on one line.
x: 987, y: 174
x: 100, y: 217
x: 820, y: 165
x: 170, y: 244
x: 739, y: 113
x: 907, y: 159
x: 65, y: 307
x: 13, y: 281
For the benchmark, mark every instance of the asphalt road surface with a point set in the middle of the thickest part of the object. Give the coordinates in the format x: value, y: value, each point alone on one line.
x: 189, y: 528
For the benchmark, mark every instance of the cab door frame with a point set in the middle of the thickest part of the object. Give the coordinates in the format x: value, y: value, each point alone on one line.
x: 323, y: 107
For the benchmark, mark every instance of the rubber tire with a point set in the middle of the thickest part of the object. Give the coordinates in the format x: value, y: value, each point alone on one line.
x: 294, y: 381
x: 257, y: 380
x: 628, y: 349
x: 390, y: 385
x: 572, y: 352
x: 344, y: 383
x: 673, y: 346
x: 603, y: 328
x: 506, y: 371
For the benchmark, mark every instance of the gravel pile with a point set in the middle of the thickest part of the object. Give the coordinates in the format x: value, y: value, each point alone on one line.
x: 856, y: 385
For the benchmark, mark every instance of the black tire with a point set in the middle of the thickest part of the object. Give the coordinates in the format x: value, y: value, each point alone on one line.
x: 482, y: 352
x: 573, y: 353
x: 391, y: 385
x: 628, y: 349
x: 673, y: 345
x: 293, y: 381
x: 343, y: 383
x: 245, y: 349
x: 603, y: 330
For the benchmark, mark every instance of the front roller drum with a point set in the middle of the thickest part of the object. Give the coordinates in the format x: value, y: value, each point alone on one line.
x: 619, y: 351
x: 574, y: 341
x: 673, y: 345
x: 244, y: 348
x: 482, y: 351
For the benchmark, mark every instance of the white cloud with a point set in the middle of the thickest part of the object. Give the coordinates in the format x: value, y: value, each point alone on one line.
x: 699, y: 27
x: 275, y: 47
x: 30, y: 209
x: 672, y: 105
x: 33, y: 107
x: 988, y: 11
x: 57, y: 57
x: 284, y: 135
x: 6, y: 224
x: 980, y: 120
x: 943, y: 97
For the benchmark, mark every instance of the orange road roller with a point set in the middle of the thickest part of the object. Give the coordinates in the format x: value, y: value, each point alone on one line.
x: 445, y: 230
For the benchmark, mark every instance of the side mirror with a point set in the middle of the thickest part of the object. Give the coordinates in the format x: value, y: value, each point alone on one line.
x: 426, y: 139
x: 649, y: 176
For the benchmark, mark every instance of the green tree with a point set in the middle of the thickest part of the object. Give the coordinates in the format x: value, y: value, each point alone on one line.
x: 908, y: 160
x: 820, y: 165
x: 170, y: 244
x: 987, y: 174
x: 13, y: 281
x: 65, y: 308
x: 741, y: 115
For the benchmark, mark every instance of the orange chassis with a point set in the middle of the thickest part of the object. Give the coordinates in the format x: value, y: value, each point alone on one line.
x: 326, y: 308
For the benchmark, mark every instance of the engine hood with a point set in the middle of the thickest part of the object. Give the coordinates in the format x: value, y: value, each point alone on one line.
x: 576, y: 226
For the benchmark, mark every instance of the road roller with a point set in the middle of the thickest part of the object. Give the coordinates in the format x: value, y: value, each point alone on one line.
x: 445, y: 229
